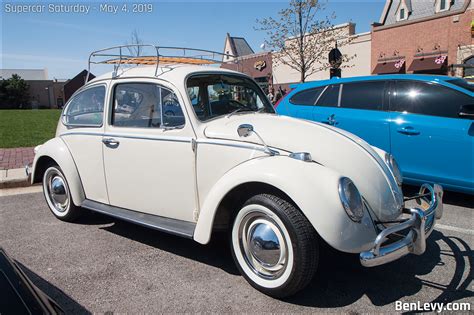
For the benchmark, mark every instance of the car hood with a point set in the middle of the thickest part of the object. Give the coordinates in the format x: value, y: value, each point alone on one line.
x: 334, y: 148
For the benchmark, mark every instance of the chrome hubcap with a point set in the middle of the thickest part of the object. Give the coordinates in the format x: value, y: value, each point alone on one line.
x: 57, y: 192
x: 263, y: 245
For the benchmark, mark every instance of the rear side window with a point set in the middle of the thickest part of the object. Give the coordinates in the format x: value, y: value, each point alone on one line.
x: 86, y: 108
x: 330, y: 97
x: 363, y: 95
x: 306, y: 97
x: 428, y: 99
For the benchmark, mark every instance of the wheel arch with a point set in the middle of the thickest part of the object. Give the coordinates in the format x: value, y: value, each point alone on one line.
x: 237, y: 196
x: 55, y: 152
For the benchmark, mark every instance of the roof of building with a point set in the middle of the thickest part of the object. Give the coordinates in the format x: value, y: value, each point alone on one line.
x: 239, y: 46
x: 25, y: 74
x: 417, y: 9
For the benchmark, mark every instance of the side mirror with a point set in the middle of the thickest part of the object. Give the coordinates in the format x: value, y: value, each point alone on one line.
x: 467, y: 111
x: 245, y: 130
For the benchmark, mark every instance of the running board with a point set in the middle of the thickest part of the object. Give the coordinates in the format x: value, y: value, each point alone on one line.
x: 172, y: 226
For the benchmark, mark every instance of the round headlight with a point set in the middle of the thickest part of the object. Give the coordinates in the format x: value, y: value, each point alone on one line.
x: 351, y: 199
x: 392, y: 163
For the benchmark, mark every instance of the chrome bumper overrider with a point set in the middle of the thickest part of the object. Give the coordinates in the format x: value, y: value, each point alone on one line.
x: 420, y: 222
x: 28, y: 172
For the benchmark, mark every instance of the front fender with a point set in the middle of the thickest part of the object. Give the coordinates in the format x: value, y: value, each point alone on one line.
x: 57, y: 150
x: 311, y: 186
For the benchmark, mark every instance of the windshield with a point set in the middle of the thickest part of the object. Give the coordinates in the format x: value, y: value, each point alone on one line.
x: 214, y: 95
x: 462, y: 83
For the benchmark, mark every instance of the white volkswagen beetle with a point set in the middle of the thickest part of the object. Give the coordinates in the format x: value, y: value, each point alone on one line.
x: 190, y: 149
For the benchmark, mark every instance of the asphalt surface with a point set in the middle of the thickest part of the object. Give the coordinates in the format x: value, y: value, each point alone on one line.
x: 105, y: 265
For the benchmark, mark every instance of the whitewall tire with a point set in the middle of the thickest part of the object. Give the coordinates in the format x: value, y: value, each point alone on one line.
x: 57, y: 194
x: 274, y: 245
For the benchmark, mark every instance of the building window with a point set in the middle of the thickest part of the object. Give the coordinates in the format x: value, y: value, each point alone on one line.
x: 443, y: 5
x: 402, y: 14
x: 469, y: 70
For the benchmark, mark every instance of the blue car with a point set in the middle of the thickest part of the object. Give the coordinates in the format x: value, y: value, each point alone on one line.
x: 426, y: 122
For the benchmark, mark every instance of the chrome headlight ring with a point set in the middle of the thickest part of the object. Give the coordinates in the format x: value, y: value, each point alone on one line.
x: 393, y: 165
x: 351, y: 199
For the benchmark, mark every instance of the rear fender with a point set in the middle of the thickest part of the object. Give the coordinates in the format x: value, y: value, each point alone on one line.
x: 57, y: 150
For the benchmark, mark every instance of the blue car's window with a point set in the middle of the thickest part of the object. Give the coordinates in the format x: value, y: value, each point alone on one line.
x: 307, y: 97
x: 363, y: 95
x: 428, y: 99
x: 462, y: 83
x: 330, y: 97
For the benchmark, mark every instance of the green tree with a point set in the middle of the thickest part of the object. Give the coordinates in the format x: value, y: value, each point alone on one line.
x: 14, y: 93
x: 302, y: 36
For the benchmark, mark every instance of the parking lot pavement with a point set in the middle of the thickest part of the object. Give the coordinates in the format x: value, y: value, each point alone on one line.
x: 101, y: 264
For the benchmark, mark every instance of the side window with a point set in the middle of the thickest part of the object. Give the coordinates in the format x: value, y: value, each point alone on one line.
x: 330, y: 97
x: 306, y: 97
x: 363, y: 95
x: 428, y: 99
x: 145, y: 105
x: 86, y: 108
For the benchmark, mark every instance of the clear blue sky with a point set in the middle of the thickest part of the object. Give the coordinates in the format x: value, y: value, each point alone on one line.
x: 61, y: 42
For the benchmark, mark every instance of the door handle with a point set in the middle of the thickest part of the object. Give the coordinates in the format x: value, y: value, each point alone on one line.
x: 408, y: 131
x: 110, y: 142
x: 331, y: 120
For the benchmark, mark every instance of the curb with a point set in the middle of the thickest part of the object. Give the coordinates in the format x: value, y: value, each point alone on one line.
x: 13, y: 178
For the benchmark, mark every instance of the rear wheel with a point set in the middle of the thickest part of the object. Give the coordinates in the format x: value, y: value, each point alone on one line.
x: 274, y: 246
x: 58, y: 196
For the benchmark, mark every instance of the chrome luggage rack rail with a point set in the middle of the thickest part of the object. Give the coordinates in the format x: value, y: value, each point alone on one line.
x: 123, y: 55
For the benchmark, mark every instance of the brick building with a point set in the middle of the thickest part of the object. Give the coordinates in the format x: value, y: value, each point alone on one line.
x: 45, y: 93
x: 429, y: 36
x: 269, y: 73
x: 241, y: 57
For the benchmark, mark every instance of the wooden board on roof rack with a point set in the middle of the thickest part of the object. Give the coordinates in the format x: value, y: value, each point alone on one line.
x: 153, y: 60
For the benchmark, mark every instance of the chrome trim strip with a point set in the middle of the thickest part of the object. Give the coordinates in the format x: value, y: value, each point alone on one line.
x: 339, y: 96
x: 320, y: 95
x: 141, y: 137
x: 167, y: 225
x: 230, y: 143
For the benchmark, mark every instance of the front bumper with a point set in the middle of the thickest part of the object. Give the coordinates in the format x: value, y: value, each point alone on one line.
x: 420, y: 224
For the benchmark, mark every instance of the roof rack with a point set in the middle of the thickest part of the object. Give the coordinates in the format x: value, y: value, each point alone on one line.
x: 116, y: 56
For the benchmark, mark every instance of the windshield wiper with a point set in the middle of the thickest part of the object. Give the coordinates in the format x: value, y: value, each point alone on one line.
x: 242, y: 109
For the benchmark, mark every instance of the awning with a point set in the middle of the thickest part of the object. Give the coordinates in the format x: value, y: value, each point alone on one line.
x: 429, y: 63
x: 394, y: 66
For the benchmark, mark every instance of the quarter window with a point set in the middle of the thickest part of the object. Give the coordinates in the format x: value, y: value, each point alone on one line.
x: 429, y: 99
x: 307, y: 97
x: 330, y: 97
x: 86, y: 108
x: 146, y: 105
x: 363, y: 95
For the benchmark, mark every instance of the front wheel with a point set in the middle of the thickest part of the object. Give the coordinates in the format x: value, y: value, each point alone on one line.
x: 274, y: 246
x: 58, y: 196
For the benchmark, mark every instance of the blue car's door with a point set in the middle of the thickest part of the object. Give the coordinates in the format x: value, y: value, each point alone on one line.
x: 428, y: 139
x: 327, y: 105
x: 362, y: 112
